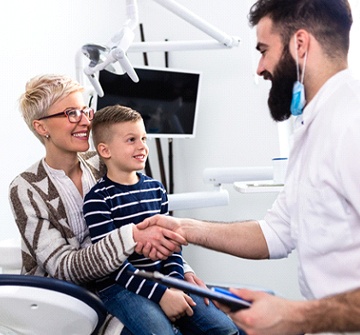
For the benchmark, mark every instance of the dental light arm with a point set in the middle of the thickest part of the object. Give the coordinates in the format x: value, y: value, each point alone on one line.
x: 221, y: 39
x: 198, y: 22
x: 130, y: 24
x: 105, y: 57
x: 116, y: 50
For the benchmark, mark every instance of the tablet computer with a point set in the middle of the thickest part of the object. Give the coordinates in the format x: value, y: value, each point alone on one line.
x: 218, y: 294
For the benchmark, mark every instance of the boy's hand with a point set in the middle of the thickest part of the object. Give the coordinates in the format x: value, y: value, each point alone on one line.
x: 191, y: 277
x: 176, y: 304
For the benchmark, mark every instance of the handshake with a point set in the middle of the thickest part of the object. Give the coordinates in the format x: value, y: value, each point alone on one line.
x: 159, y: 236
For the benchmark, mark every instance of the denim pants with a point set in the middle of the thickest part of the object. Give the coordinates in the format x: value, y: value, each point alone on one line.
x: 142, y: 316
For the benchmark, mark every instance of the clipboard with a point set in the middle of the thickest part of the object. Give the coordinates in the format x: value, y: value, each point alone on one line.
x: 222, y: 296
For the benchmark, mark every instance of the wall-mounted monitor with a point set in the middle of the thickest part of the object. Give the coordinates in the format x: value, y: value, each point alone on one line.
x: 167, y: 99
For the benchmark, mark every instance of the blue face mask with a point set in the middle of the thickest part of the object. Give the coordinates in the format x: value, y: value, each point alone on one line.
x: 298, y: 100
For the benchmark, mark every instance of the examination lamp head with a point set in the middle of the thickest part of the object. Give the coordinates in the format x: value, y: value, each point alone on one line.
x: 97, y: 54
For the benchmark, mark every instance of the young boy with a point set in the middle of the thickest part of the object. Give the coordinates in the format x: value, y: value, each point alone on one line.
x: 126, y: 196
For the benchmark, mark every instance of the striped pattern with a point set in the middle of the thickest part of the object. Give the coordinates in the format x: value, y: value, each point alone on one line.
x: 109, y: 206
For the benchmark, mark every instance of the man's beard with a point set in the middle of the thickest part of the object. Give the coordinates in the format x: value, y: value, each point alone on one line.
x: 283, y: 81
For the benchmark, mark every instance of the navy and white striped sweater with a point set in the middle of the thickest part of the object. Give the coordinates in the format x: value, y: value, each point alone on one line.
x: 109, y: 206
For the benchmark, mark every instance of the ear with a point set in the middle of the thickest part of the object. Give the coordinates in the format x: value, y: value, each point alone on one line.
x: 301, y: 42
x: 103, y: 150
x: 40, y: 128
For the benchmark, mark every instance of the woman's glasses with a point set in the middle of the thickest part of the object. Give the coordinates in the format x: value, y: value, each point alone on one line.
x: 73, y: 115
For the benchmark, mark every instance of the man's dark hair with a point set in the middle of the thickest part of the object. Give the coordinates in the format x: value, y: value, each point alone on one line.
x: 329, y: 21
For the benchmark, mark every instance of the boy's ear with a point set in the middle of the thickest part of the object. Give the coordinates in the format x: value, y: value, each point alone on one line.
x: 103, y: 150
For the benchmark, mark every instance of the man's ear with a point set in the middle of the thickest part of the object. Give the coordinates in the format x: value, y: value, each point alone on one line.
x: 302, y: 42
x: 40, y: 128
x: 103, y: 150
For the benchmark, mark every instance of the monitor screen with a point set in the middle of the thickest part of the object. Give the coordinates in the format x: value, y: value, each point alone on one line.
x: 166, y: 98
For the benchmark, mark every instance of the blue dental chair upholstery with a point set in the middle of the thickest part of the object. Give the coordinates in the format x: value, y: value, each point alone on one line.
x: 33, y: 305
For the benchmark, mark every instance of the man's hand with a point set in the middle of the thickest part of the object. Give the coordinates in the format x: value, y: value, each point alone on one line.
x: 171, y: 229
x: 156, y: 242
x: 268, y: 314
x: 164, y: 221
x: 176, y: 304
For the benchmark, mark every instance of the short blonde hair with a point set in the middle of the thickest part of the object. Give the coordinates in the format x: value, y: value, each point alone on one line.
x: 41, y: 92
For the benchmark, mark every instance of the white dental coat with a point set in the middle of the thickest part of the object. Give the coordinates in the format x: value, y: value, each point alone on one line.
x: 318, y: 212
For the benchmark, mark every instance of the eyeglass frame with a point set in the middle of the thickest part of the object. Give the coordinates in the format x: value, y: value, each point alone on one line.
x: 68, y: 110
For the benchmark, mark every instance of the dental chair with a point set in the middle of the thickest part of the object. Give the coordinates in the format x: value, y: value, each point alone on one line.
x: 33, y: 305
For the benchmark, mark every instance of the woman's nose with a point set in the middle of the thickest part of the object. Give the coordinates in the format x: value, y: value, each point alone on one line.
x: 84, y: 120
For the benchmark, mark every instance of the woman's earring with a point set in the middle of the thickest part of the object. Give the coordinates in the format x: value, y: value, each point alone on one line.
x: 47, y: 136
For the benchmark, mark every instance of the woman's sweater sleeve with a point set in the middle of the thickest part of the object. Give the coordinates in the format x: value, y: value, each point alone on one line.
x: 49, y: 247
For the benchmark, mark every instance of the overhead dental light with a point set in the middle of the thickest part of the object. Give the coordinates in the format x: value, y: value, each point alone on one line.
x: 113, y: 55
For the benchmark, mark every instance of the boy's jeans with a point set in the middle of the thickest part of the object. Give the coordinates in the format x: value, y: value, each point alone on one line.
x: 142, y: 316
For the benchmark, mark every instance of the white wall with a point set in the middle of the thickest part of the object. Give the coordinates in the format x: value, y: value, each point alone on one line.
x: 39, y: 37
x: 234, y: 126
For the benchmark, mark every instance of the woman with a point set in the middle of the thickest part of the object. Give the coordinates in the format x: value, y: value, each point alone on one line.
x: 47, y: 198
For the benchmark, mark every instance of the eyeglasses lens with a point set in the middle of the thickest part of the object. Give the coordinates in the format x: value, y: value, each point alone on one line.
x: 74, y: 115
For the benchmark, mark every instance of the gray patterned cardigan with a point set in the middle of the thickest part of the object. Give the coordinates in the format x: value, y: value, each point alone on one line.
x: 49, y: 247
